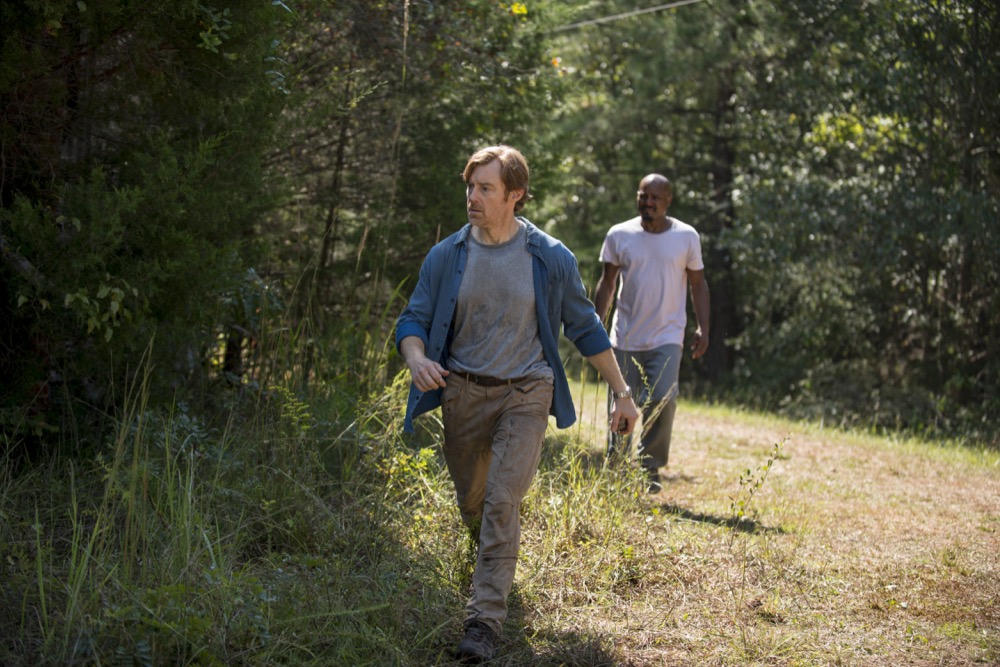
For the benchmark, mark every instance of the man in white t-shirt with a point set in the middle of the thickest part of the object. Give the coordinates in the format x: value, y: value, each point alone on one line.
x: 657, y: 258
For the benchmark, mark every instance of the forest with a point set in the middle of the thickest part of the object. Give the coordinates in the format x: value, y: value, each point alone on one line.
x: 225, y: 192
x: 212, y: 212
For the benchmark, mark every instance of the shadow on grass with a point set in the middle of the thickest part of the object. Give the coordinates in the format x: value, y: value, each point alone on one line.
x: 595, y: 461
x: 523, y: 645
x: 743, y: 525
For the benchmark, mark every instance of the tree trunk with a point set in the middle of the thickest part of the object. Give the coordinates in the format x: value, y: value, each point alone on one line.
x: 719, y: 274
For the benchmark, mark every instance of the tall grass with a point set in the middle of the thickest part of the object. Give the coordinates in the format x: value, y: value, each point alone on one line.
x: 305, y: 529
x: 302, y: 529
x: 182, y: 541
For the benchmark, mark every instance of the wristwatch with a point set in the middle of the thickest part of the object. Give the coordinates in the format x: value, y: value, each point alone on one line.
x: 623, y: 394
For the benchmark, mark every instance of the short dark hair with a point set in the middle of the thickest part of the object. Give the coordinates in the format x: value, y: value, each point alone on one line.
x: 513, y: 169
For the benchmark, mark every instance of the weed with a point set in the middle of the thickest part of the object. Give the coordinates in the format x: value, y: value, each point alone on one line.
x: 750, y: 483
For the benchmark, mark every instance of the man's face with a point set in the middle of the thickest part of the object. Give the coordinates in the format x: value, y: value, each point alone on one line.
x: 486, y: 202
x: 652, y: 200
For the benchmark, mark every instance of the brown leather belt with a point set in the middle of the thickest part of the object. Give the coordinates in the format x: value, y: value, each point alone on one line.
x: 486, y: 380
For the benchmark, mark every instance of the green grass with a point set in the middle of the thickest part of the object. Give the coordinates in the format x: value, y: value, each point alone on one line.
x: 307, y: 530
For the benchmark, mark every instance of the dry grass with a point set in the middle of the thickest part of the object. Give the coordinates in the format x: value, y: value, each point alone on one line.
x: 856, y: 550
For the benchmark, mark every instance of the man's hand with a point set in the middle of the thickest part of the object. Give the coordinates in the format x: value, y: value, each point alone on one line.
x: 427, y: 375
x: 623, y: 417
x: 699, y: 345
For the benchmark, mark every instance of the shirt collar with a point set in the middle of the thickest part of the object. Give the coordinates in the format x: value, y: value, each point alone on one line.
x: 532, y: 233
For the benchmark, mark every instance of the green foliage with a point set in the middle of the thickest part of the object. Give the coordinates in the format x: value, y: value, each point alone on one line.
x: 864, y: 251
x: 132, y: 179
x: 839, y: 160
x: 185, y: 540
x: 387, y: 100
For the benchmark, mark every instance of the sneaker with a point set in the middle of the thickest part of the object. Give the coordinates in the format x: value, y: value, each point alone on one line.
x: 478, y: 645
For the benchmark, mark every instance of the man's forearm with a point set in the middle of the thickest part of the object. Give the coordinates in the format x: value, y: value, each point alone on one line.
x: 701, y: 301
x: 411, y: 347
x: 623, y: 414
x: 605, y: 291
x: 607, y: 366
x: 602, y: 301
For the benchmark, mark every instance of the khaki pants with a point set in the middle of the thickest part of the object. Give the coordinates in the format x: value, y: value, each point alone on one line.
x: 492, y: 443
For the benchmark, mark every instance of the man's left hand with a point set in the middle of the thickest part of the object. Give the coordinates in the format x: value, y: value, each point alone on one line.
x: 624, y: 415
x: 699, y: 345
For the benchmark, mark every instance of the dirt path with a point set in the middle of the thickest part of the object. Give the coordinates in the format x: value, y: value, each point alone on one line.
x: 862, y: 551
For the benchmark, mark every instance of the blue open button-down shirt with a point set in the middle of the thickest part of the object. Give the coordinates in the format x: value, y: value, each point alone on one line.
x: 560, y: 297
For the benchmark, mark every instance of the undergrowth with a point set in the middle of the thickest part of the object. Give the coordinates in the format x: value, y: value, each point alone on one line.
x: 308, y: 530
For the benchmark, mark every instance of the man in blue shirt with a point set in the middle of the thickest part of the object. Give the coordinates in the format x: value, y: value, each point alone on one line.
x: 480, y: 337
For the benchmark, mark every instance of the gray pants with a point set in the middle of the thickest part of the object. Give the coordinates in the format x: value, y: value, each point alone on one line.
x: 652, y: 376
x: 492, y: 444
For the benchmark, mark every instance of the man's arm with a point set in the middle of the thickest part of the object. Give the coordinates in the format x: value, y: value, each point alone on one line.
x: 427, y: 375
x: 605, y: 362
x: 624, y: 408
x: 605, y: 290
x: 702, y: 307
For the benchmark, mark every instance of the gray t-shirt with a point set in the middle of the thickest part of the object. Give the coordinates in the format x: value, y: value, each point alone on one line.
x: 496, y: 325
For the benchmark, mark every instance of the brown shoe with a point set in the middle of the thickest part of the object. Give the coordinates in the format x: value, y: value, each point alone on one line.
x: 478, y: 645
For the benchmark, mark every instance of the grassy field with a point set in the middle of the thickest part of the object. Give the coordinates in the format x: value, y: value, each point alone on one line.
x: 858, y: 550
x: 312, y: 533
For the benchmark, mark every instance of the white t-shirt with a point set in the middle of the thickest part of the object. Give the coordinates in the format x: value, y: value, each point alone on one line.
x: 652, y: 297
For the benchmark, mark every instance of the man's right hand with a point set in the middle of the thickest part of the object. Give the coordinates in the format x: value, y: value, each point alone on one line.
x: 427, y: 375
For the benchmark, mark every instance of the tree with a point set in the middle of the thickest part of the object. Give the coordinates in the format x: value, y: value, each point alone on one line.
x: 387, y: 100
x: 658, y: 93
x: 131, y: 180
x: 840, y: 160
x: 868, y: 255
